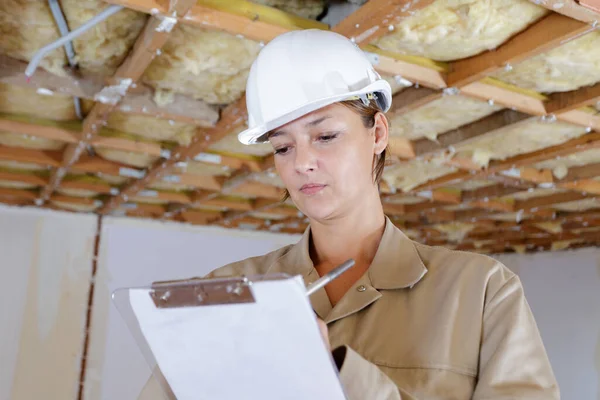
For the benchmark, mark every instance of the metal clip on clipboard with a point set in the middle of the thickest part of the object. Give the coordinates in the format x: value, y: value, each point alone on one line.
x: 199, y: 336
x: 202, y: 292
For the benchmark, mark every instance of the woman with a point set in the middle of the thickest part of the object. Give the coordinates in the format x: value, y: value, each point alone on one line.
x: 408, y: 321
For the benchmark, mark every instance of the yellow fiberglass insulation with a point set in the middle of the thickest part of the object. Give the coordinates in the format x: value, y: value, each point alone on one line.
x: 406, y: 176
x: 76, y: 192
x: 148, y: 200
x: 560, y: 166
x: 454, y: 29
x: 403, y: 199
x: 200, y: 168
x: 25, y: 27
x: 16, y: 185
x: 533, y: 193
x: 568, y: 67
x: 266, y: 215
x: 550, y: 226
x: 29, y: 142
x: 152, y: 128
x: 268, y: 178
x: 439, y: 116
x: 455, y: 231
x: 579, y: 205
x: 513, y: 216
x: 15, y: 165
x: 303, y: 8
x: 473, y: 184
x: 208, y: 65
x: 101, y: 50
x: 25, y: 101
x: 170, y: 186
x: 140, y: 160
x: 76, y: 206
x: 523, y: 137
x: 231, y: 144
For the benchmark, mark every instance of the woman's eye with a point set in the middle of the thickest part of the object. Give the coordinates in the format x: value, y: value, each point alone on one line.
x: 328, y: 137
x: 282, y: 150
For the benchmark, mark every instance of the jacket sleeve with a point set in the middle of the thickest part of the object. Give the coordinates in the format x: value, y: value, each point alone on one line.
x: 512, y: 360
x: 363, y: 380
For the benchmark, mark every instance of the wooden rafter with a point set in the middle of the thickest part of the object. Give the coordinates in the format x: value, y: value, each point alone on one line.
x: 562, y: 102
x: 546, y: 34
x: 152, y: 38
x: 420, y: 147
x: 570, y: 8
x: 41, y: 157
x: 377, y: 18
x: 232, y: 117
x: 138, y: 100
x: 582, y: 143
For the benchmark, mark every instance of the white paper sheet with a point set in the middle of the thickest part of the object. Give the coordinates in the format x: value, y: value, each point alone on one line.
x: 271, y: 349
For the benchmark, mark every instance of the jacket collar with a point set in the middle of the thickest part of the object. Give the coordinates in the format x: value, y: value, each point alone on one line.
x: 396, y: 264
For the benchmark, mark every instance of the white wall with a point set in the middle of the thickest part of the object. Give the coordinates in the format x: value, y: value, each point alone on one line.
x: 563, y: 290
x: 44, y: 301
x: 45, y: 269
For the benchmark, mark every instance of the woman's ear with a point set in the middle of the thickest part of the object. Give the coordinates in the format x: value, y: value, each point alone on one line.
x: 381, y: 130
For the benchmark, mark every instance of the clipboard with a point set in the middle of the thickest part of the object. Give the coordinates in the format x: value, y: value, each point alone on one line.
x: 233, y: 338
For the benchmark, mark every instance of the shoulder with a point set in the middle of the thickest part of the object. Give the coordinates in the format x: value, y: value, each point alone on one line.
x: 252, y: 265
x: 471, y: 270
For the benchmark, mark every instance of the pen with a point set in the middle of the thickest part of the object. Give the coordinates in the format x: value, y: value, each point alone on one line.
x: 328, y: 277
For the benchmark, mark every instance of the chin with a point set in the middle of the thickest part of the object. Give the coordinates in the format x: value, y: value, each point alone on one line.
x: 317, y: 207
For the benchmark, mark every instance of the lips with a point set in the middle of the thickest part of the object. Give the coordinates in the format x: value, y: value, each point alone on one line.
x: 311, y: 188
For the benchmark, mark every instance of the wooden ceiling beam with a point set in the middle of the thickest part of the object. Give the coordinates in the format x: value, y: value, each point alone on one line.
x: 549, y: 200
x: 561, y: 102
x: 31, y: 179
x: 92, y: 165
x: 152, y: 38
x: 41, y: 157
x: 138, y: 100
x: 377, y: 18
x: 475, y: 129
x: 175, y: 197
x: 551, y: 31
x: 18, y: 194
x: 102, y: 188
x: 489, y: 192
x: 84, y: 201
x: 582, y: 143
x: 492, y: 90
x: 197, y: 217
x: 582, y: 117
x: 570, y: 8
x: 9, y: 123
x: 232, y: 117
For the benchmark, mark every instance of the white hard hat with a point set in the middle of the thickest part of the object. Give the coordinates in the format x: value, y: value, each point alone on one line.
x: 302, y: 71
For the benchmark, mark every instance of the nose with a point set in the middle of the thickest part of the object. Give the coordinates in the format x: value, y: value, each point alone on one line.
x: 306, y: 158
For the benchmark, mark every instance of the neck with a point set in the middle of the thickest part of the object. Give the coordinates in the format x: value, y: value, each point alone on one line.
x: 355, y: 234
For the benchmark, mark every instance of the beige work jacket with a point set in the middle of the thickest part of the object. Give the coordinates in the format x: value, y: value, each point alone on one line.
x: 423, y: 323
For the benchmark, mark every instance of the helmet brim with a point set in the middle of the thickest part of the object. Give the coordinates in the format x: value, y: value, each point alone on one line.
x: 258, y: 134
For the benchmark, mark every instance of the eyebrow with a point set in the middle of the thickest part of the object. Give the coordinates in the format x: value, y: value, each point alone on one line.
x: 307, y: 125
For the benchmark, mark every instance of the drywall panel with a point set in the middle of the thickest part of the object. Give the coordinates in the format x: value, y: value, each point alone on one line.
x: 563, y: 290
x: 45, y: 269
x: 134, y: 253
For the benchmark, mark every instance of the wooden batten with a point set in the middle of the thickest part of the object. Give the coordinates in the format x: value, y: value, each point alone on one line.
x: 49, y: 158
x: 546, y: 34
x: 373, y: 19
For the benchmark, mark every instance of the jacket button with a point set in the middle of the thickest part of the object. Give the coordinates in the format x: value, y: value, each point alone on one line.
x: 361, y: 288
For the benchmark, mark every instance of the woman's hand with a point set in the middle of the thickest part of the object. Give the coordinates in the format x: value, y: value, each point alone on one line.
x: 324, y: 332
